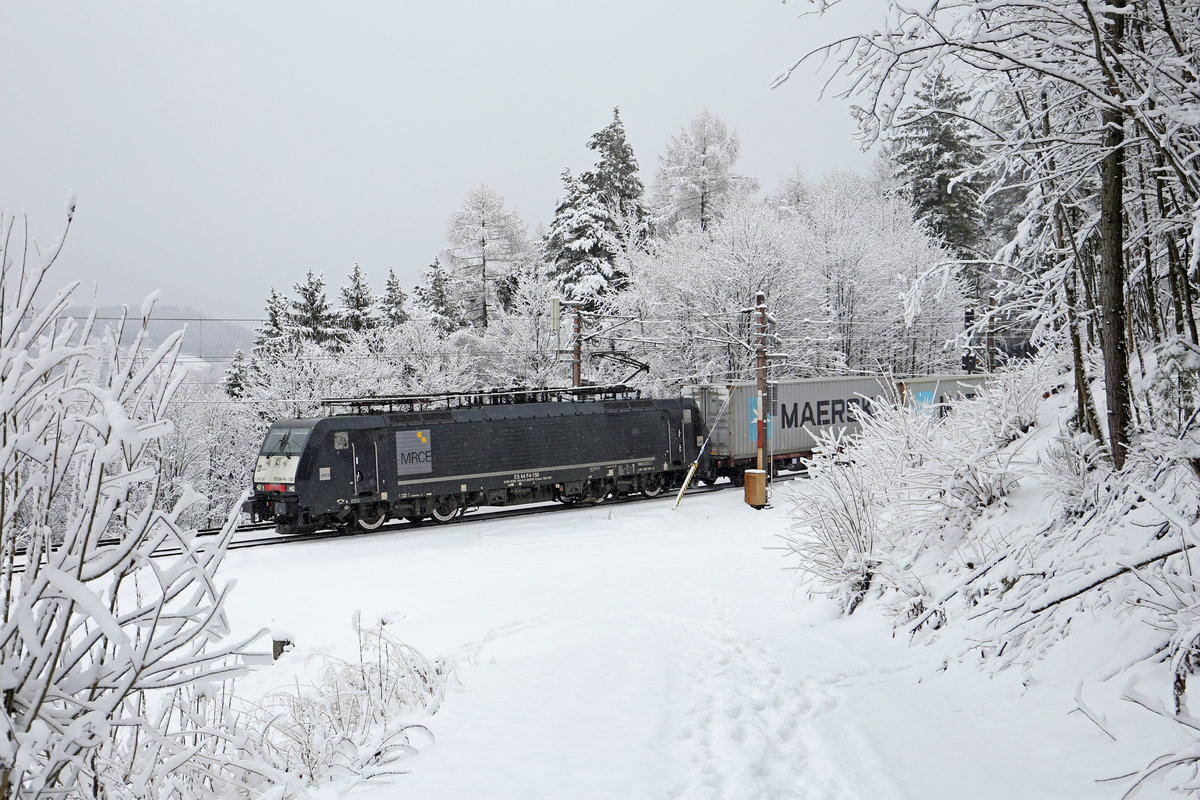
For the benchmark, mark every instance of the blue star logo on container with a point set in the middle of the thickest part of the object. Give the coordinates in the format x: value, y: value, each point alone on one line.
x: 753, y: 415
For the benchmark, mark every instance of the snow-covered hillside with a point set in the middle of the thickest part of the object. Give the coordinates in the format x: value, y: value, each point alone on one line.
x: 639, y: 651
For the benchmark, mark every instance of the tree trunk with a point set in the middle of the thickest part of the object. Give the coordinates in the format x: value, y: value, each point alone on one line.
x: 1085, y: 412
x: 1112, y: 263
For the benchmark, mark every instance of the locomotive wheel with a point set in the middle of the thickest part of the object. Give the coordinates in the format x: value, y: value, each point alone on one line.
x: 370, y: 525
x: 653, y: 485
x: 445, y: 510
x: 414, y: 518
x: 597, y: 492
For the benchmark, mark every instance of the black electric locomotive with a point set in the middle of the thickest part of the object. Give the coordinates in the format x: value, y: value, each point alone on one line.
x: 363, y: 469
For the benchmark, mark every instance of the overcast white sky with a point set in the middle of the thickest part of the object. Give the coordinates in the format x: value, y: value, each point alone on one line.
x: 219, y: 148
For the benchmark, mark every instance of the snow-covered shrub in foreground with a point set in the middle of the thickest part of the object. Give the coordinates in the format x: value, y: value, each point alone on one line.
x: 91, y: 625
x: 355, y: 721
x: 191, y: 744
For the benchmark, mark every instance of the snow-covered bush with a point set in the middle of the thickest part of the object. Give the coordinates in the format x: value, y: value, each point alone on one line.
x: 1074, y: 469
x: 904, y: 495
x: 194, y: 745
x: 1006, y: 407
x: 835, y: 533
x: 91, y: 625
x: 355, y: 721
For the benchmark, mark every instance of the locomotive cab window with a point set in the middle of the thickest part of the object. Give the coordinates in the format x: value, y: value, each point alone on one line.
x: 285, y: 441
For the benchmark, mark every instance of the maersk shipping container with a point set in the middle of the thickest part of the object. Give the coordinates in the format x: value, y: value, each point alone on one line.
x: 802, y: 410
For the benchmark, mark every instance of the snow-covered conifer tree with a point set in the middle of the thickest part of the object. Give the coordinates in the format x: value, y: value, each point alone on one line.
x: 273, y: 334
x: 357, y: 312
x: 615, y: 177
x: 237, y: 375
x: 391, y: 302
x: 577, y: 247
x: 434, y: 297
x: 310, y: 317
x: 934, y: 153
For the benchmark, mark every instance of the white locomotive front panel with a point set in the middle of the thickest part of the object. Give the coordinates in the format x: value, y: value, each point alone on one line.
x: 276, y: 469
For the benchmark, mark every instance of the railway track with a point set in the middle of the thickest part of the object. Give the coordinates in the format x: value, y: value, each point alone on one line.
x: 469, y: 518
x: 272, y: 538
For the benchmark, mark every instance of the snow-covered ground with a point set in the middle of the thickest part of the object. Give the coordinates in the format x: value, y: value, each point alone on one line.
x: 642, y: 651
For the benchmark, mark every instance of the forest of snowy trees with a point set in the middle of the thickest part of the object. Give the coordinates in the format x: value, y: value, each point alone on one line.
x: 844, y: 262
x: 1039, y: 175
x: 1075, y: 128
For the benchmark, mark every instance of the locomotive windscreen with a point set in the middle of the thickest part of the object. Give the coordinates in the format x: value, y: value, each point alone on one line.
x: 285, y: 441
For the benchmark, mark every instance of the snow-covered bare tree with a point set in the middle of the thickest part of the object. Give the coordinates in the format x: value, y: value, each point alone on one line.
x: 691, y: 287
x: 884, y: 304
x: 1088, y: 107
x: 523, y: 350
x: 695, y: 178
x: 842, y: 272
x: 486, y: 241
x: 211, y: 448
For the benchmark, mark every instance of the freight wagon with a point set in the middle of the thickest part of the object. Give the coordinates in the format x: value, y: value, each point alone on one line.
x: 801, y: 411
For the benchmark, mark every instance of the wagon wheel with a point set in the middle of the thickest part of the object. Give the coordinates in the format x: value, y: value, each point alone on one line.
x: 371, y: 525
x: 445, y: 510
x: 737, y: 478
x: 653, y: 484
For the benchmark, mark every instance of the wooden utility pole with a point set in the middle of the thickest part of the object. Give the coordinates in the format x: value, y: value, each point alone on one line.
x: 576, y: 336
x: 760, y: 365
x: 577, y: 349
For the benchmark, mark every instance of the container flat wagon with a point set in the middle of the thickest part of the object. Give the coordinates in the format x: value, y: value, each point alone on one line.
x: 802, y: 411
